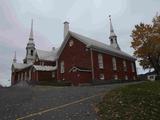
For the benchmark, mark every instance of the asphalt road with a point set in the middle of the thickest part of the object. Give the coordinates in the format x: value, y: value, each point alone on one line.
x: 51, y: 103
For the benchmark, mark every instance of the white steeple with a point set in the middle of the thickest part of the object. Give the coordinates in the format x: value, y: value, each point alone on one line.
x: 111, y: 27
x: 66, y: 28
x: 30, y: 49
x: 14, y: 59
x: 31, y: 33
x: 113, y: 36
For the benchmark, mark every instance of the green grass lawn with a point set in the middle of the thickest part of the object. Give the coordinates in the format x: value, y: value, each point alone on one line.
x: 132, y: 102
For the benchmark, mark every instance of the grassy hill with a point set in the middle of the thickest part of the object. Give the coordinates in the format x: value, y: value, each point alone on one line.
x: 132, y: 102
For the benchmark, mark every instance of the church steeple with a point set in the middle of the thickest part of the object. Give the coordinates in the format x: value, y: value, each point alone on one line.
x: 30, y: 49
x: 111, y: 28
x: 31, y: 32
x: 14, y: 59
x: 113, y: 36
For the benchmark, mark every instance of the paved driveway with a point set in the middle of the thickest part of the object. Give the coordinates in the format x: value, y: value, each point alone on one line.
x: 51, y: 103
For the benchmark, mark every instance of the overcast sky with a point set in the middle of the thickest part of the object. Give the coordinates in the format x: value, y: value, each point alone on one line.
x: 87, y: 17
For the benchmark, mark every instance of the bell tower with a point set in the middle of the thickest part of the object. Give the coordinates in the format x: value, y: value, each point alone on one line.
x: 113, y: 36
x: 30, y: 49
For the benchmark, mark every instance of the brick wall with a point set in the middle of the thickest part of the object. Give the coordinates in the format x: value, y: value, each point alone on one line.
x: 76, y: 55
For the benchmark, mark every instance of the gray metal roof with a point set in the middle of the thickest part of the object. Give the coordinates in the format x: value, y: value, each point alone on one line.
x: 47, y: 55
x: 20, y: 65
x: 44, y: 68
x: 100, y: 46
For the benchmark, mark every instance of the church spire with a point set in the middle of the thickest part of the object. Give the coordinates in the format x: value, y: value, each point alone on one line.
x: 30, y: 49
x: 31, y: 37
x: 111, y: 27
x: 31, y: 32
x: 113, y: 36
x: 15, y: 59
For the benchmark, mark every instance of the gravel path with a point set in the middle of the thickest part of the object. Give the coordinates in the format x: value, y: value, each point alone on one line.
x: 51, y: 103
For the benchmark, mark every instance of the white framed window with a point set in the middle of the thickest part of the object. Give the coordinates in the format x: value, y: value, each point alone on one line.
x: 101, y: 76
x: 126, y: 77
x: 53, y: 74
x: 62, y: 66
x: 71, y: 43
x: 124, y: 66
x: 116, y: 77
x: 114, y: 63
x: 100, y: 61
x: 132, y: 65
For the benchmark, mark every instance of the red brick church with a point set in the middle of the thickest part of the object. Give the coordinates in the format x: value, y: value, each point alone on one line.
x: 78, y: 60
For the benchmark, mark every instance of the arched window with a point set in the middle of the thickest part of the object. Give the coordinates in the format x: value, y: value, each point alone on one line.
x: 31, y: 52
x: 133, y: 68
x: 111, y: 41
x: 101, y: 76
x: 62, y: 67
x: 100, y: 61
x: 126, y: 77
x: 114, y: 63
x: 116, y: 77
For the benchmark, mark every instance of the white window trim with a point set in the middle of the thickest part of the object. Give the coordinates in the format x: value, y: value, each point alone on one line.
x: 100, y: 61
x: 114, y: 63
x: 126, y: 77
x: 133, y: 68
x: 62, y: 69
x: 71, y: 42
x: 116, y: 77
x: 101, y: 76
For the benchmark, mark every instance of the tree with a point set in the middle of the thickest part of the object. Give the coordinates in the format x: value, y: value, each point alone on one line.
x: 146, y: 43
